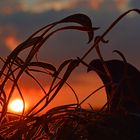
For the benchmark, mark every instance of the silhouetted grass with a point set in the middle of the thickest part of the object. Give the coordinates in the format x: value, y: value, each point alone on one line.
x: 67, y: 122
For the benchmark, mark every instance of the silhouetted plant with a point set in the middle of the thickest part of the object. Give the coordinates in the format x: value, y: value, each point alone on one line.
x: 67, y: 121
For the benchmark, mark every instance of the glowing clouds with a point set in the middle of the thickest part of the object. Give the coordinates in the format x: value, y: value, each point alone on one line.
x: 123, y: 5
x: 11, y: 42
x: 40, y: 6
x: 96, y: 4
x: 120, y: 5
x: 43, y: 5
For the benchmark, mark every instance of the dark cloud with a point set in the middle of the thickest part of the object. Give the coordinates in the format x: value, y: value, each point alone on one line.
x: 71, y: 44
x: 41, y: 6
x: 135, y: 3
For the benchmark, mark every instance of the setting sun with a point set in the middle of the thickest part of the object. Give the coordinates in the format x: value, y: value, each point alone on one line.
x: 16, y: 105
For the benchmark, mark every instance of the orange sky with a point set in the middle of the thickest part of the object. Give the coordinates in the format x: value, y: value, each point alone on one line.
x: 20, y: 18
x: 83, y: 85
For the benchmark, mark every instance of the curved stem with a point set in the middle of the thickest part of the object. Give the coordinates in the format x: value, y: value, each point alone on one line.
x: 108, y: 30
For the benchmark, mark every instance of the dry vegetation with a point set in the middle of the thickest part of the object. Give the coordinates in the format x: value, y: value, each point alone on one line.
x: 67, y: 122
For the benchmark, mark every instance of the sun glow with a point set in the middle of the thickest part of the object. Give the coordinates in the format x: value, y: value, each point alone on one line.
x: 16, y: 106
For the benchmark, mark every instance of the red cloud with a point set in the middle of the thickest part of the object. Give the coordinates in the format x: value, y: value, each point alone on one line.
x: 43, y: 5
x: 122, y: 5
x: 11, y: 42
x: 9, y: 7
x: 95, y: 4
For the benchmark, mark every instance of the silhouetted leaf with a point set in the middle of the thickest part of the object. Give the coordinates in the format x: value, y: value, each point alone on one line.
x: 121, y: 54
x: 63, y: 65
x: 125, y: 64
x: 43, y: 65
x: 25, y: 44
x: 78, y: 18
x: 102, y: 39
x: 83, y: 20
x: 28, y: 43
x: 72, y: 65
x: 19, y: 61
x: 59, y: 70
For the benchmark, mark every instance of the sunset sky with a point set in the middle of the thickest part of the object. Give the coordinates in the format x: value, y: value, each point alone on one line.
x: 20, y: 18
